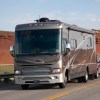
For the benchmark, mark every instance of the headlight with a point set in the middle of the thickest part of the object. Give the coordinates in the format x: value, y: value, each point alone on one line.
x: 56, y: 71
x: 18, y: 72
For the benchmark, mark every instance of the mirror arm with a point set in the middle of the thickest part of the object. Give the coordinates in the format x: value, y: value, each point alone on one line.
x: 12, y: 51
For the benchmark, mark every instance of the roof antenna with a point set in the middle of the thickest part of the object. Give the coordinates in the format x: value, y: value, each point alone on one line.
x: 39, y: 19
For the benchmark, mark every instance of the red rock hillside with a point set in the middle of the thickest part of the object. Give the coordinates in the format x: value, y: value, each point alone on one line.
x: 6, y: 39
x: 98, y: 42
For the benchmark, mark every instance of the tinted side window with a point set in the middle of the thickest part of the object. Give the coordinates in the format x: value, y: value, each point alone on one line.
x: 73, y: 43
x: 89, y: 42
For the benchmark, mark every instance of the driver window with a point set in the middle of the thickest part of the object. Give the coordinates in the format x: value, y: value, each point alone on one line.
x: 64, y: 42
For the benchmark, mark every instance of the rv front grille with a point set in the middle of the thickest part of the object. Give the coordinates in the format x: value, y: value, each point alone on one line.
x: 36, y: 70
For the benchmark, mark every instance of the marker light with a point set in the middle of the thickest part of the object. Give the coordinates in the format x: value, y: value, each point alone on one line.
x: 36, y: 24
x: 31, y: 25
x: 41, y: 24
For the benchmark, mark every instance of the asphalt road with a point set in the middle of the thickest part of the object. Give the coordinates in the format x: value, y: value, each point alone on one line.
x: 73, y: 91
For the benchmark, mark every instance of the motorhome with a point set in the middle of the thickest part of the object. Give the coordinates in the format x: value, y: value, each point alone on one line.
x: 53, y: 52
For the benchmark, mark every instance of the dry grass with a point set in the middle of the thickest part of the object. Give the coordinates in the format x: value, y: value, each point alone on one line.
x: 6, y: 68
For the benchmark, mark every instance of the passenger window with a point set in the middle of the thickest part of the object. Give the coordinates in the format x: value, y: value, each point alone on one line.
x: 73, y: 43
x: 89, y: 42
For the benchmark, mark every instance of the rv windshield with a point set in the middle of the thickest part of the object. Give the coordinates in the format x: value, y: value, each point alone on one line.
x: 37, y: 41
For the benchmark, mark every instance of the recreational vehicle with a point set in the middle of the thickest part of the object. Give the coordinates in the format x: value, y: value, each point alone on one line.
x: 53, y: 52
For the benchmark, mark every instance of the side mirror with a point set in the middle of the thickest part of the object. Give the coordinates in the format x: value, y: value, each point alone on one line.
x: 67, y: 47
x: 12, y: 51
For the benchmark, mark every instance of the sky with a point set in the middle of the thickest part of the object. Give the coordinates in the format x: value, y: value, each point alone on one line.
x: 84, y: 13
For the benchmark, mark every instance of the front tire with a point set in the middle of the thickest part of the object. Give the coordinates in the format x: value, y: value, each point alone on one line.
x: 25, y: 86
x: 63, y: 85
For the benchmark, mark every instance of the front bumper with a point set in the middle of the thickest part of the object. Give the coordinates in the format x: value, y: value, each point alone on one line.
x: 39, y: 79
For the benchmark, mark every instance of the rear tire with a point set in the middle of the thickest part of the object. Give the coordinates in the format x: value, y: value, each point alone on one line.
x: 96, y: 75
x: 85, y: 78
x: 79, y: 80
x: 25, y: 86
x: 91, y: 76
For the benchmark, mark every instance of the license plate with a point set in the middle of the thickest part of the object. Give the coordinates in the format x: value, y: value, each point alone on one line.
x: 36, y: 81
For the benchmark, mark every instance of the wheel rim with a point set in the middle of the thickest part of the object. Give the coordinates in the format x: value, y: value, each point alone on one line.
x: 97, y: 73
x: 86, y: 76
